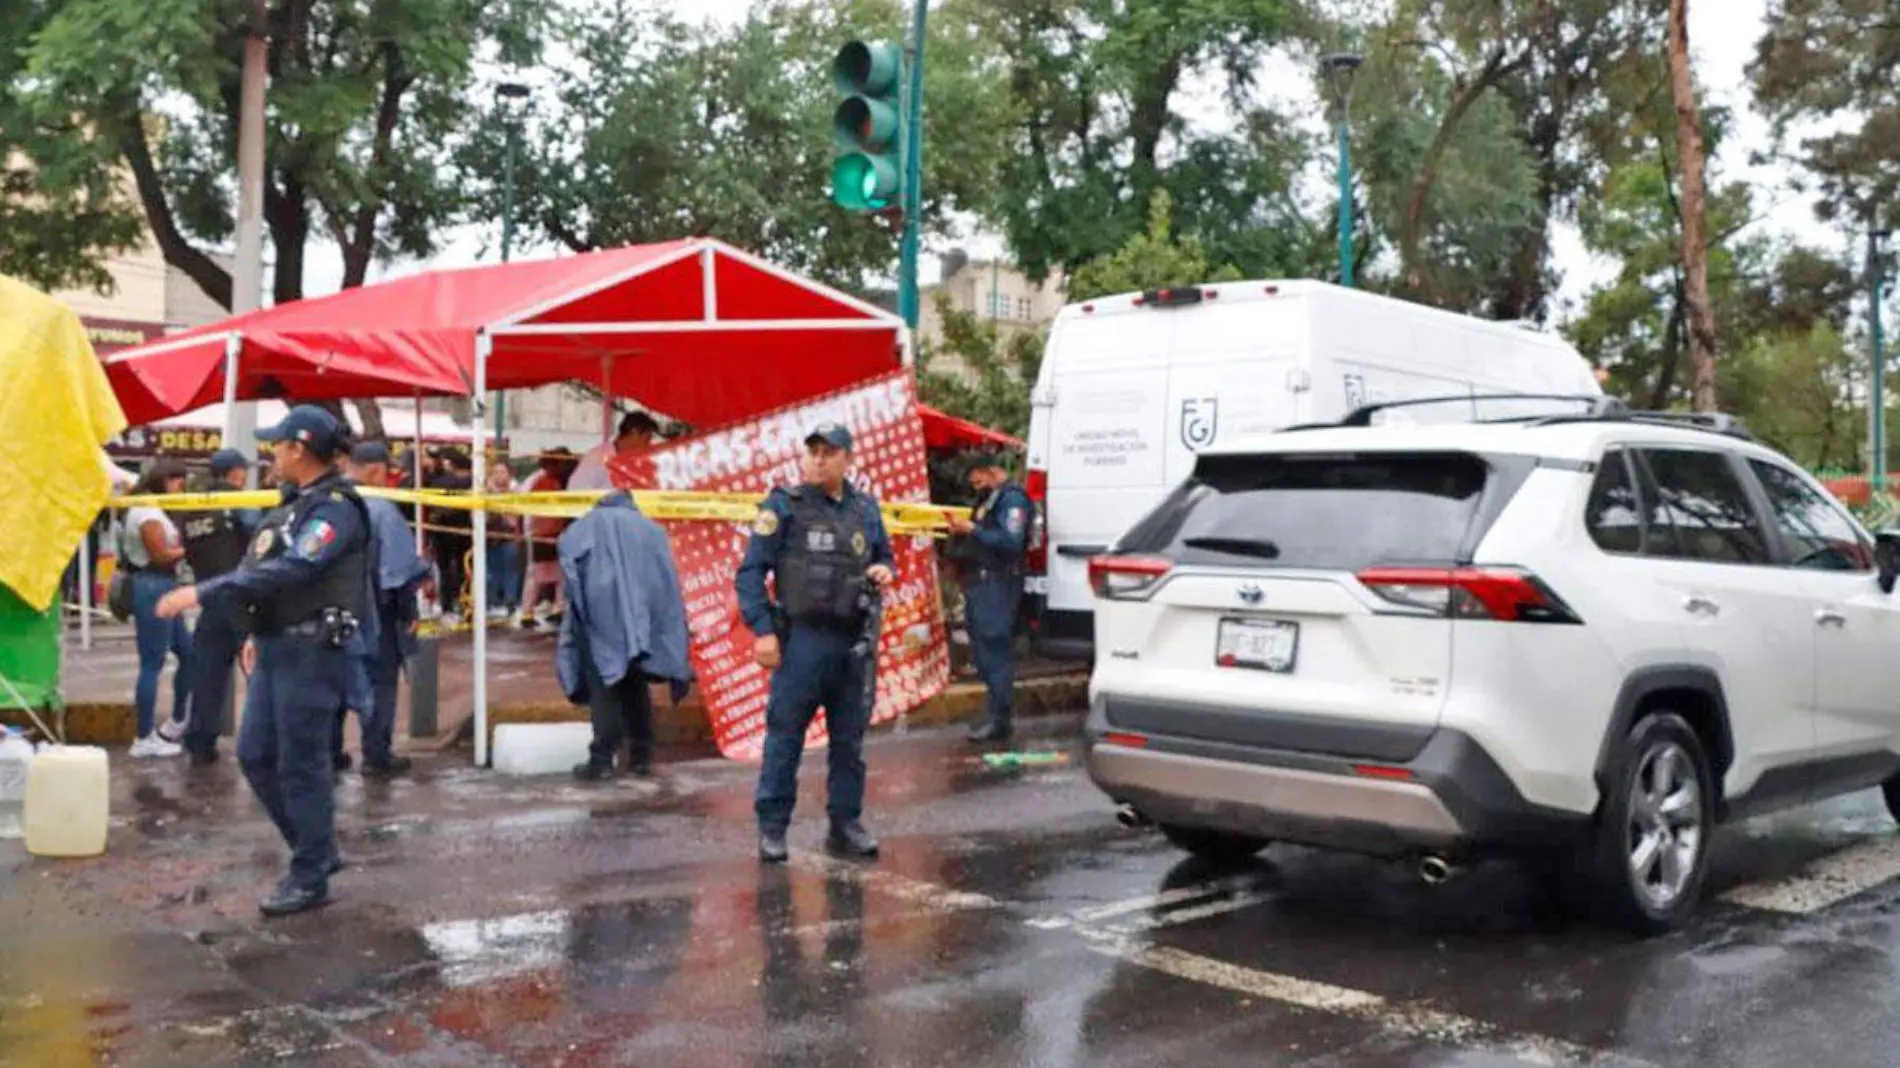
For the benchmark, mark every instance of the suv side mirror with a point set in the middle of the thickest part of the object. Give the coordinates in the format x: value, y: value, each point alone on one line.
x: 1887, y: 558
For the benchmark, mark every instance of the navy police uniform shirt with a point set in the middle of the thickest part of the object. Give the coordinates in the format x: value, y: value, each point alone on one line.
x: 1002, y: 528
x: 771, y: 531
x: 326, y: 526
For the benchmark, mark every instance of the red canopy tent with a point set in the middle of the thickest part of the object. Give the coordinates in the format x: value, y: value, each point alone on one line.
x: 945, y: 431
x: 694, y: 329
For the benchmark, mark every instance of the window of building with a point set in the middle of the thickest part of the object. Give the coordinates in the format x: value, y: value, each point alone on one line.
x: 1025, y: 309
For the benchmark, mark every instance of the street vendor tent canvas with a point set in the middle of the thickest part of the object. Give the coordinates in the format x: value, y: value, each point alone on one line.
x: 695, y: 329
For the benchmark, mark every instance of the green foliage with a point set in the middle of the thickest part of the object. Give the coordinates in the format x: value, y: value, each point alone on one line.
x: 61, y: 211
x: 1796, y: 391
x: 367, y: 101
x: 1153, y: 259
x: 666, y: 129
x: 1828, y: 60
x: 979, y: 372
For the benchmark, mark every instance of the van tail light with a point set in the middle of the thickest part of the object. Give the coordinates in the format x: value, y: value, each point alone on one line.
x: 1036, y: 554
x: 1126, y: 578
x: 1505, y: 594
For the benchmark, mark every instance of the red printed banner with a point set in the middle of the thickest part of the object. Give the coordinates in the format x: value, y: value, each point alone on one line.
x: 913, y: 663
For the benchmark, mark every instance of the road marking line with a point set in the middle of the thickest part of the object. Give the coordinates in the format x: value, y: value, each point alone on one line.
x: 1176, y: 896
x: 1407, y: 1019
x: 899, y: 886
x: 1831, y: 879
x: 1156, y: 921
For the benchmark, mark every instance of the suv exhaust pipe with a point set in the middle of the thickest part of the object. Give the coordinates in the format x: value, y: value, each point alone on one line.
x: 1436, y: 871
x: 1131, y: 817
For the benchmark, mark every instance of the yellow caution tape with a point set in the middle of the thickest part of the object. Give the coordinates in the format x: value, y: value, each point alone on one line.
x: 901, y: 519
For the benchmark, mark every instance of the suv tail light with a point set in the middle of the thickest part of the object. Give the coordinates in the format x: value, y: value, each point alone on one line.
x: 1126, y: 578
x: 1036, y: 555
x: 1506, y: 594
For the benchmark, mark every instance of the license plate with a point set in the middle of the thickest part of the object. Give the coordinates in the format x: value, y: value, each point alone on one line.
x: 1260, y: 644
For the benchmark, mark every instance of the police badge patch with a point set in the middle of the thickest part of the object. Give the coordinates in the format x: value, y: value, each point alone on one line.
x: 858, y: 544
x: 1014, y: 520
x: 766, y: 523
x: 266, y: 538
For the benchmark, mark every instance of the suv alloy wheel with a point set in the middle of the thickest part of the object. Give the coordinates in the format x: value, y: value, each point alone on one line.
x: 1649, y: 853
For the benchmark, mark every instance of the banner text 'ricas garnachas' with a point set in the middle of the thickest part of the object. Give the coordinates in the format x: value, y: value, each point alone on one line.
x: 776, y: 438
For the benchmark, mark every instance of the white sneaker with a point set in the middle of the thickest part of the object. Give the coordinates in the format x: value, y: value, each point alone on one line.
x: 497, y: 615
x: 153, y: 746
x: 172, y: 729
x: 451, y: 620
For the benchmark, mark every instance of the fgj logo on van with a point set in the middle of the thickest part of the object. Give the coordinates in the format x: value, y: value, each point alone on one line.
x: 1200, y: 421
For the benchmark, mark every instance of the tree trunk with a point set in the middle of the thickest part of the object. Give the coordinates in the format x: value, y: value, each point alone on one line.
x: 1412, y: 221
x: 1695, y: 253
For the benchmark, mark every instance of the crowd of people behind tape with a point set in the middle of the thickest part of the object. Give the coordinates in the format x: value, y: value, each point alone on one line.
x: 157, y: 550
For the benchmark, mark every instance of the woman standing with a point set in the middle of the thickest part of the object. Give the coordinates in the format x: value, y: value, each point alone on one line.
x: 151, y: 550
x: 504, y: 549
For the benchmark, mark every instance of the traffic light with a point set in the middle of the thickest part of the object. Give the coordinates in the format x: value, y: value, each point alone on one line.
x: 867, y: 129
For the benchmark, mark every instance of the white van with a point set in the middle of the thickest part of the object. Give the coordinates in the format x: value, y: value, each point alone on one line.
x: 1133, y: 386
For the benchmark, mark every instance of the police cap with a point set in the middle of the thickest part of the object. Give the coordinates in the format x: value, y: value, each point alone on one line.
x: 310, y: 426
x: 832, y: 434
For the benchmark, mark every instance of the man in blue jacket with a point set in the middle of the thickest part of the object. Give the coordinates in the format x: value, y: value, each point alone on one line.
x: 625, y: 628
x: 399, y: 573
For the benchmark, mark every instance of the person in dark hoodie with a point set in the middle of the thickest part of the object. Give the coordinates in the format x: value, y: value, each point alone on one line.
x: 624, y: 630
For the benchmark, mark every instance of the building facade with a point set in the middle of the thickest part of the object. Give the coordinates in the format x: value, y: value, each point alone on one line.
x: 990, y: 290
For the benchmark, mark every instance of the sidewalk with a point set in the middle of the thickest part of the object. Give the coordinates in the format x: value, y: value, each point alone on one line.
x: 521, y: 689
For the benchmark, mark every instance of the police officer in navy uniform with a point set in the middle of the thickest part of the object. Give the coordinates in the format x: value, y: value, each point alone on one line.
x: 825, y: 546
x: 304, y: 592
x: 215, y: 544
x: 991, y: 558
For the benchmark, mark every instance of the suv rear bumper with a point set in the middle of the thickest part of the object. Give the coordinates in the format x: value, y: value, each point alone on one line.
x: 1450, y: 798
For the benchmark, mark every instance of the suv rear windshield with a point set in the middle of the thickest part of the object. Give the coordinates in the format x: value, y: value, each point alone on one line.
x: 1337, y: 512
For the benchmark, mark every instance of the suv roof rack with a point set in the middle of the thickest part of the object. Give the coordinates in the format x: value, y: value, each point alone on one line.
x: 1713, y: 422
x: 1596, y: 407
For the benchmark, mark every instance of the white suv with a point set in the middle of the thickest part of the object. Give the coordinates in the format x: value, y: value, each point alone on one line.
x: 1588, y: 636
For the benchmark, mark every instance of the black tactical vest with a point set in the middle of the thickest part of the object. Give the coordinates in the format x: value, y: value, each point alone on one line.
x: 344, y: 585
x: 214, y: 544
x: 821, y: 571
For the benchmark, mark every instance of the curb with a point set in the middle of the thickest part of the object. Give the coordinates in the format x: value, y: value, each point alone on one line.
x: 109, y: 724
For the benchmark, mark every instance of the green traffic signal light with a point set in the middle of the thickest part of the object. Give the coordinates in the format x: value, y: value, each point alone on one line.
x: 867, y: 128
x: 864, y: 182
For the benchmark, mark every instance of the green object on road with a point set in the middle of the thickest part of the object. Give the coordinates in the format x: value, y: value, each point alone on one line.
x: 1023, y: 759
x: 29, y: 653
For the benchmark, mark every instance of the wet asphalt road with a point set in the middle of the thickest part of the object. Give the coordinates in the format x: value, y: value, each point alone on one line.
x: 487, y: 921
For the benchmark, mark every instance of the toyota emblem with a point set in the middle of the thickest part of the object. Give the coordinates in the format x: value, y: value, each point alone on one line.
x: 1252, y: 594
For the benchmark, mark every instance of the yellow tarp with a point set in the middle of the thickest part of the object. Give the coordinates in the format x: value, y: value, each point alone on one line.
x: 56, y: 412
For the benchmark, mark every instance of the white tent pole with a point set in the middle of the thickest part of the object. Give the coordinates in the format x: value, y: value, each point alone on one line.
x: 709, y: 282
x: 478, y: 606
x: 415, y: 461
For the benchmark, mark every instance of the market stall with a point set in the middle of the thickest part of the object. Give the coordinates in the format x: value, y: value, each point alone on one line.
x: 696, y: 330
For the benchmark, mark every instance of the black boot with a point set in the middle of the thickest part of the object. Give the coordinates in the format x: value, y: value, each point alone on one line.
x: 772, y: 847
x: 290, y: 900
x: 851, y: 840
x: 387, y: 768
x: 990, y: 731
x: 593, y: 772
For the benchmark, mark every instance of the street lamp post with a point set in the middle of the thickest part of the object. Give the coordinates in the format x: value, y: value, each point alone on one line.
x: 510, y: 99
x: 1338, y: 70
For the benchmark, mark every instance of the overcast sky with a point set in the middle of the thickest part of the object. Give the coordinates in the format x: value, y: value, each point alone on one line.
x: 1722, y: 34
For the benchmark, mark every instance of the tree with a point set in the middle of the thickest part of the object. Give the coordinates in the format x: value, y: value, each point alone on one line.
x: 1695, y: 253
x: 61, y: 209
x: 1836, y: 63
x: 366, y: 103
x: 666, y: 129
x: 1154, y: 259
x: 1099, y: 128
x: 1001, y: 370
x: 1797, y: 393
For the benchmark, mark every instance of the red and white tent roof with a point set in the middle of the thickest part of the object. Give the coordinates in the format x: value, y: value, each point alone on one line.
x: 696, y: 329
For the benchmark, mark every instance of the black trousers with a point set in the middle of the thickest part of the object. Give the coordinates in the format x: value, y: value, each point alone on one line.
x: 451, y: 557
x: 622, y: 711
